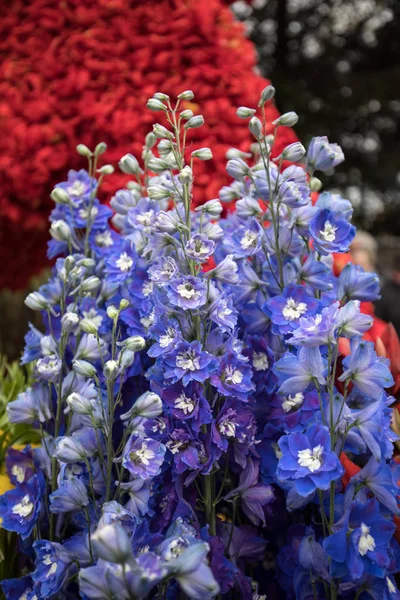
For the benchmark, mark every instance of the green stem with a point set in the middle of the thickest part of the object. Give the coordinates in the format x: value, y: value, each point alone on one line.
x: 209, y: 502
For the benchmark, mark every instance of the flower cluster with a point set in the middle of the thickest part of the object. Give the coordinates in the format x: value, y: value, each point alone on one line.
x: 194, y: 406
x: 51, y: 99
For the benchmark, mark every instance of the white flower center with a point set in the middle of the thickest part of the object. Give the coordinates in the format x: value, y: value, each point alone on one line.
x: 125, y: 262
x: 145, y: 218
x: 391, y: 587
x: 227, y: 428
x: 142, y: 455
x: 328, y: 233
x: 76, y: 189
x: 186, y: 290
x: 233, y: 375
x: 313, y: 325
x: 48, y: 562
x: 188, y: 361
x: 18, y: 472
x: 366, y: 543
x: 159, y: 425
x: 104, y: 240
x: 260, y: 361
x: 176, y: 548
x: 311, y: 458
x: 148, y: 320
x: 184, y: 403
x: 23, y: 508
x: 147, y: 288
x: 85, y: 213
x: 167, y: 338
x: 174, y: 446
x: 248, y: 239
x: 293, y: 402
x: 293, y: 310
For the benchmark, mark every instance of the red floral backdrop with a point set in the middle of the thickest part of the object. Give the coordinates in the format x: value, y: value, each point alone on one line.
x: 74, y: 71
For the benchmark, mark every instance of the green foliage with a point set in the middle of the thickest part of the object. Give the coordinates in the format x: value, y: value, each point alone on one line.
x: 14, y: 379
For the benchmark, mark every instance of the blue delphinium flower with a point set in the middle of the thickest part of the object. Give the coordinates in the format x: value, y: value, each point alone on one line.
x: 121, y: 264
x: 308, y: 461
x: 331, y: 232
x: 70, y: 497
x: 323, y: 155
x: 187, y: 292
x: 286, y: 310
x: 20, y: 508
x: 360, y: 545
x: 189, y: 362
x: 297, y: 373
x: 52, y: 564
x: 356, y: 284
x: 143, y: 457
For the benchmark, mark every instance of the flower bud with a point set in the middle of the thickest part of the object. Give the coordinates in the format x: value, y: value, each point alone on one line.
x: 79, y: 404
x: 255, y: 127
x: 36, y: 301
x: 236, y: 153
x: 166, y: 222
x: 112, y: 312
x: 158, y: 192
x: 158, y: 165
x: 202, y: 154
x: 287, y: 119
x: 293, y: 152
x: 315, y: 184
x: 88, y: 325
x: 195, y: 122
x: 161, y: 96
x: 111, y: 369
x: 100, y: 149
x: 164, y: 147
x: 124, y: 303
x: 60, y: 196
x: 267, y: 94
x: 68, y: 450
x: 84, y: 150
x: 69, y: 263
x: 60, y: 231
x: 154, y: 104
x: 186, y: 95
x: 162, y: 132
x: 111, y: 543
x: 88, y: 263
x: 212, y: 207
x: 134, y: 343
x: 129, y: 165
x: 69, y: 322
x: 187, y: 114
x: 84, y: 368
x: 238, y: 169
x: 90, y: 284
x: 245, y: 113
x: 186, y: 175
x: 126, y: 359
x: 151, y: 140
x: 147, y: 406
x: 106, y: 170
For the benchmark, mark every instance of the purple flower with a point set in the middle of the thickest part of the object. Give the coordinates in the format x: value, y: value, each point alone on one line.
x: 167, y: 335
x: 368, y: 372
x: 163, y: 270
x: 360, y: 546
x: 293, y: 412
x: 121, y: 264
x: 381, y: 480
x: 143, y: 457
x: 307, y: 460
x: 188, y: 361
x: 253, y: 495
x: 142, y: 215
x: 48, y: 368
x: 297, y: 372
x: 286, y: 310
x: 233, y: 378
x: 187, y: 292
x: 293, y: 194
x: 322, y: 155
x: 244, y: 240
x: 52, y: 568
x: 356, y: 284
x: 30, y: 406
x: 188, y: 403
x: 223, y: 313
x: 331, y: 232
x: 225, y: 271
x: 111, y: 543
x: 185, y: 450
x: 199, y: 247
x: 15, y: 589
x: 71, y: 496
x: 351, y: 322
x: 20, y: 507
x: 318, y: 330
x: 315, y: 274
x: 235, y: 427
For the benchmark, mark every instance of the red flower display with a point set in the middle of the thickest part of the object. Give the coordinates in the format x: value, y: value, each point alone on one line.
x: 76, y: 71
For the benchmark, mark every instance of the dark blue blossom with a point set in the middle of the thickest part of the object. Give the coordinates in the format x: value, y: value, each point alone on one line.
x: 233, y: 378
x: 356, y: 284
x: 20, y: 507
x: 322, y: 155
x: 286, y: 310
x: 143, y: 457
x: 308, y: 461
x: 52, y: 566
x: 187, y: 292
x: 331, y: 232
x: 121, y: 264
x: 297, y: 373
x: 189, y: 362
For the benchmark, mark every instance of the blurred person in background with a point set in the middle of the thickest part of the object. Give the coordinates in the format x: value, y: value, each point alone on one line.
x: 388, y: 307
x: 363, y: 251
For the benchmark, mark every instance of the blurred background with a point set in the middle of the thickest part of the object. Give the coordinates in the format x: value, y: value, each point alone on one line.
x: 75, y: 72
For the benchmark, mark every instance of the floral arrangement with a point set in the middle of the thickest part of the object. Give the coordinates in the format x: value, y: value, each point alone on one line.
x: 51, y: 98
x: 202, y: 436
